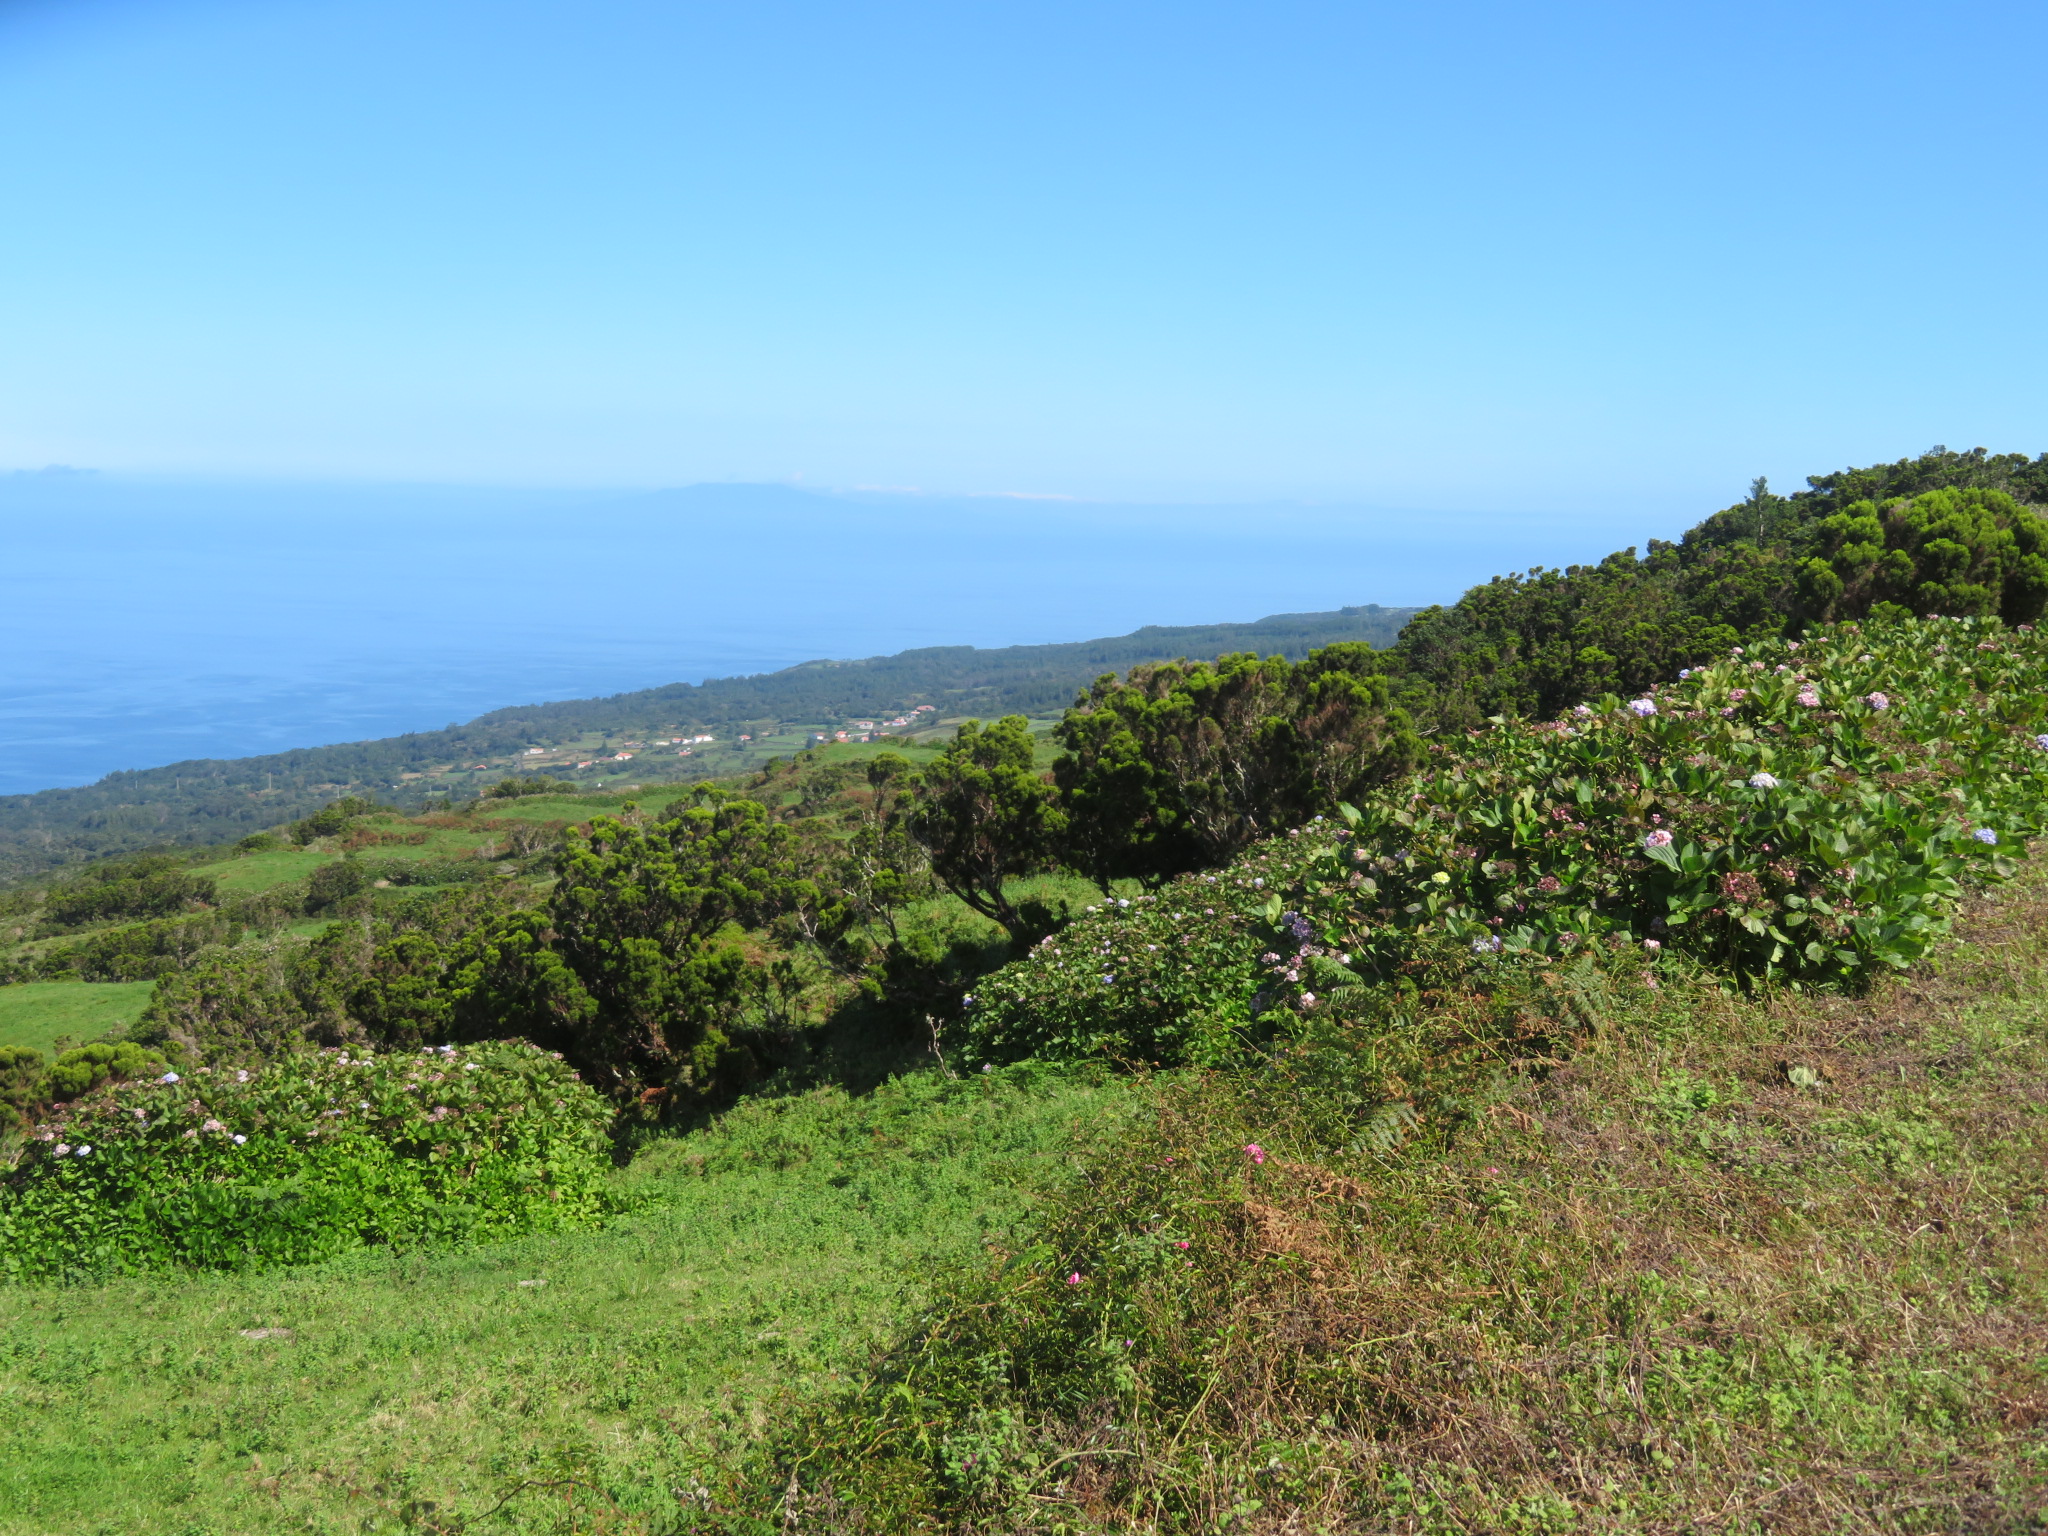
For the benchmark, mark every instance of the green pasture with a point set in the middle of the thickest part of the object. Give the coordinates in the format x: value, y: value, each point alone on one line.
x: 246, y: 874
x: 763, y: 1256
x: 38, y: 1013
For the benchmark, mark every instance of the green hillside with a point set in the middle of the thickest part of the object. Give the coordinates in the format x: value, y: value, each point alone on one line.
x: 214, y: 801
x: 1579, y: 1068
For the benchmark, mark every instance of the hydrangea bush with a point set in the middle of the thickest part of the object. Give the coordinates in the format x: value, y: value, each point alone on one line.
x: 306, y: 1158
x: 1167, y: 976
x: 1808, y: 810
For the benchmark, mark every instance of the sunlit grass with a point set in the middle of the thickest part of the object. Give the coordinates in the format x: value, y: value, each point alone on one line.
x: 765, y: 1256
x: 39, y: 1013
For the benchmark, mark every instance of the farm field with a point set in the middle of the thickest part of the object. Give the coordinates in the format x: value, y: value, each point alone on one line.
x: 38, y: 1013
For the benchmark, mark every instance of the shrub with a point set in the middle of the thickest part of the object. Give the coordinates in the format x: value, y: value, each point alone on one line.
x: 531, y: 784
x: 155, y: 885
x: 1185, y: 764
x: 332, y: 884
x: 1162, y: 977
x: 333, y: 818
x: 28, y: 1086
x: 22, y: 1076
x: 306, y: 1158
x: 80, y: 1070
x: 1807, y: 811
x: 438, y: 871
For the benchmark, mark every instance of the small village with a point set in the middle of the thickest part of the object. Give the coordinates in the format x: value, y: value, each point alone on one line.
x: 593, y: 756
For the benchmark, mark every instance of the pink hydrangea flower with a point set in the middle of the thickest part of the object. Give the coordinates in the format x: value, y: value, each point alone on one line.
x: 1661, y: 838
x: 1877, y: 701
x: 1809, y: 699
x: 1255, y: 1152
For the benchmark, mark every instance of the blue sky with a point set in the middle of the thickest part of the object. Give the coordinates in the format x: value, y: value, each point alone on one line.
x: 1525, y: 258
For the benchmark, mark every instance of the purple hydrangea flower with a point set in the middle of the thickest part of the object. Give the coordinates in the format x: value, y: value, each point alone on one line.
x: 1985, y: 835
x: 1658, y: 839
x: 1877, y: 701
x: 1762, y: 781
x: 1644, y: 708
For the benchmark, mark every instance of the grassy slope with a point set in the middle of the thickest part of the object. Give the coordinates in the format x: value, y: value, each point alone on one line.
x: 36, y: 1013
x: 768, y: 1254
x: 1694, y: 1286
x: 1661, y: 1280
x: 1674, y: 1285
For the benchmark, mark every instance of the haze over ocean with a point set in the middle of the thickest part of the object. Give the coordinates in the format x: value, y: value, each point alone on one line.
x: 148, y: 622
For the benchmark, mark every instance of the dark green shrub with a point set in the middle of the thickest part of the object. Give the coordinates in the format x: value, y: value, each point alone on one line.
x: 332, y: 884
x: 442, y: 871
x: 535, y: 784
x: 1185, y: 764
x: 333, y: 819
x: 154, y: 886
x: 306, y: 1158
x: 83, y: 1068
x: 23, y: 1074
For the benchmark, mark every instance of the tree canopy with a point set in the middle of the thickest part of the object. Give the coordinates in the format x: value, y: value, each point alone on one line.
x: 1185, y: 763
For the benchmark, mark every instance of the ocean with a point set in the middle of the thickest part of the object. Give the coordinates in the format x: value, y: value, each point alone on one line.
x: 149, y: 622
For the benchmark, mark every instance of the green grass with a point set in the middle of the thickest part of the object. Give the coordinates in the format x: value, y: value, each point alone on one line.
x: 1698, y: 1263
x: 38, y: 1013
x: 249, y: 873
x: 764, y: 1256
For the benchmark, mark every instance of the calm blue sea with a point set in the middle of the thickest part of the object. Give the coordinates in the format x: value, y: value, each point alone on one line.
x: 145, y: 623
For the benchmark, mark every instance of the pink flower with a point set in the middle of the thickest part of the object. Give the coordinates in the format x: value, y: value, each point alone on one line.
x: 1074, y: 1278
x: 1877, y: 701
x: 1809, y: 699
x: 1255, y: 1152
x: 1180, y: 1245
x: 1661, y: 838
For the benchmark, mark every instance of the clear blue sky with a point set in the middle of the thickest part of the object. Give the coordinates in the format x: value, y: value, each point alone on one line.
x: 1530, y: 257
